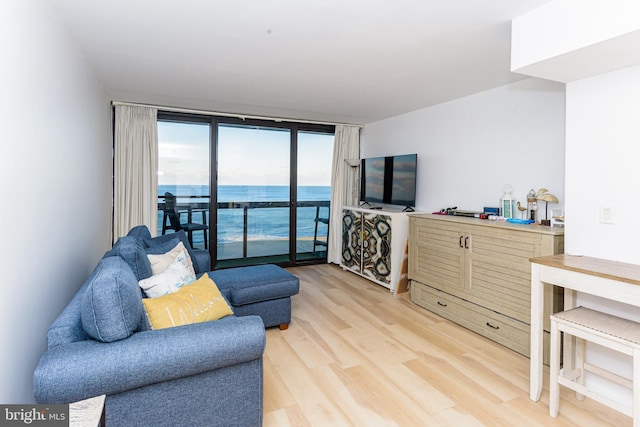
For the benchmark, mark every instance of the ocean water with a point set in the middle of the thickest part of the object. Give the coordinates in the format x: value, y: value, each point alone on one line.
x: 262, y: 223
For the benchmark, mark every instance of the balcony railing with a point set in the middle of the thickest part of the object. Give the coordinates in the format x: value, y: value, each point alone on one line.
x: 254, y: 229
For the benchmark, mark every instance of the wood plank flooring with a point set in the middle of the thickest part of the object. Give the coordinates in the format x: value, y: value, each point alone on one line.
x: 354, y: 355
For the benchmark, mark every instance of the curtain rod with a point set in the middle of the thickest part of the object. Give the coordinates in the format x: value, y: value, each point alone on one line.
x: 239, y: 116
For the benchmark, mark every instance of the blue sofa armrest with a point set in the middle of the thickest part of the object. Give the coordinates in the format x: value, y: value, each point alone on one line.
x: 202, y: 261
x: 84, y: 369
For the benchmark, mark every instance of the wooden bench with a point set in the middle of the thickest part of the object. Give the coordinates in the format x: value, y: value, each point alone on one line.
x: 609, y: 331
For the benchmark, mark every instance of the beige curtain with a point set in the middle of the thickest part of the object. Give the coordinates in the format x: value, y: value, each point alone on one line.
x: 344, y: 188
x: 135, y: 198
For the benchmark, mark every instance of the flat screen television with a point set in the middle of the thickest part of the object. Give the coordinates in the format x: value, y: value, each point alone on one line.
x: 403, y: 180
x: 390, y: 180
x: 373, y: 176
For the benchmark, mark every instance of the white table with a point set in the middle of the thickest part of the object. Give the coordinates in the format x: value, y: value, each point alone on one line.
x: 612, y: 280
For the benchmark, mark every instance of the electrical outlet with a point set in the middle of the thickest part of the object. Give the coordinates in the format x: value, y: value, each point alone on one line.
x: 607, y: 215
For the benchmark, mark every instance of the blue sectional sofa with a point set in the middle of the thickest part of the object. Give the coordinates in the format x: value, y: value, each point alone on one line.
x: 201, y: 374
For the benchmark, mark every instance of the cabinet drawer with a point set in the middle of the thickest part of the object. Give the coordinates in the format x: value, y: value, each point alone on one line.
x: 500, y: 328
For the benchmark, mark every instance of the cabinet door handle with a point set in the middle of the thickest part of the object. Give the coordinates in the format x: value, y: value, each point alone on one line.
x: 466, y: 242
x: 492, y: 326
x: 461, y: 237
x: 442, y: 304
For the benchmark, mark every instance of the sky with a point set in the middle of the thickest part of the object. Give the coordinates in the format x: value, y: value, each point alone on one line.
x: 246, y: 156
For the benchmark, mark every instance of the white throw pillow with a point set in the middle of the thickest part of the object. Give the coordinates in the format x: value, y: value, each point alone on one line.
x: 170, y: 280
x: 160, y: 262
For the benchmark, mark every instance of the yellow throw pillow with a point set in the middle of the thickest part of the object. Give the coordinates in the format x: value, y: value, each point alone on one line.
x: 201, y: 301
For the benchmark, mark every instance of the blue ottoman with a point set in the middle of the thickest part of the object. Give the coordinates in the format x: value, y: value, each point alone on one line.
x: 263, y: 290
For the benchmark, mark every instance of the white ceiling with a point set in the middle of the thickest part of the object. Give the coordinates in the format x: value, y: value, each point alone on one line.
x: 352, y: 61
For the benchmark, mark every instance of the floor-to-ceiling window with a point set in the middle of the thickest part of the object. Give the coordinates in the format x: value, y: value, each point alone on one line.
x: 183, y: 179
x: 315, y: 154
x: 255, y: 191
x: 254, y: 175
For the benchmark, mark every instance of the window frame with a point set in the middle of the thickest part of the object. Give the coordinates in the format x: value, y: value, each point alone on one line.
x: 294, y: 128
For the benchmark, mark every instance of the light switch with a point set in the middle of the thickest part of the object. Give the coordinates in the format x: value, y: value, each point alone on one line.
x: 607, y: 215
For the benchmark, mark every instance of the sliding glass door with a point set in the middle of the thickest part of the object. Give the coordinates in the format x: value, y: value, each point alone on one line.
x: 254, y: 194
x: 314, y: 153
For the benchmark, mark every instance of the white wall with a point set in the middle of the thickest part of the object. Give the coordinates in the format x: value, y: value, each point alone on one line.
x: 469, y: 148
x: 603, y: 152
x: 603, y: 157
x: 55, y: 174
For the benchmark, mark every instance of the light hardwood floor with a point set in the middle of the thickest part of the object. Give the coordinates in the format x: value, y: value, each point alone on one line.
x: 354, y: 355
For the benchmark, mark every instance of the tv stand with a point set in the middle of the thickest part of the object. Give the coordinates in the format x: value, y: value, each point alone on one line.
x: 408, y: 209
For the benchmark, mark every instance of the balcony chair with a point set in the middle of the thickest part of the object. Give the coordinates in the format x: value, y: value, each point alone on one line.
x: 319, y: 220
x: 172, y: 215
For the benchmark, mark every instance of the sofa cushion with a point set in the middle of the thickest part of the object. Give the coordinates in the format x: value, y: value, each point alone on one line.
x: 247, y: 285
x: 112, y: 303
x: 161, y: 260
x: 140, y: 232
x: 180, y: 235
x: 179, y: 273
x: 162, y: 247
x: 200, y: 301
x: 201, y: 260
x: 132, y: 251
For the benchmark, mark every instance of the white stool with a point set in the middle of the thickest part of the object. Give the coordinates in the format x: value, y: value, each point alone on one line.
x: 603, y: 329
